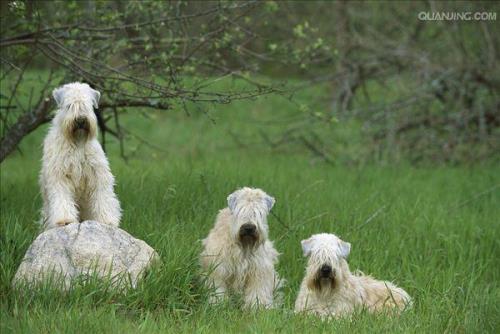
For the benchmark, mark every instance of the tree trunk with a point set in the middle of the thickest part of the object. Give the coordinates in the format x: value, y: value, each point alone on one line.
x: 25, y: 124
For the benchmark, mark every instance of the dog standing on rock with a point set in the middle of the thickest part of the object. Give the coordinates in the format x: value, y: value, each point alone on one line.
x: 76, y: 181
x: 329, y: 289
x: 237, y: 255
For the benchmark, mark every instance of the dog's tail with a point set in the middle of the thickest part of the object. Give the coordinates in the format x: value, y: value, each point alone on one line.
x: 398, y: 296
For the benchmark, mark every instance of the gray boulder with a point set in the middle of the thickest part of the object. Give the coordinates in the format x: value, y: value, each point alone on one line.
x: 83, y: 249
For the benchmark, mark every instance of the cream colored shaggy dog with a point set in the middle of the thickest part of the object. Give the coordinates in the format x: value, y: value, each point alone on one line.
x: 329, y: 289
x: 76, y: 181
x: 238, y: 256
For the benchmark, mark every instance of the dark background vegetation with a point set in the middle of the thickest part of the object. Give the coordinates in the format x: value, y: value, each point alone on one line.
x: 402, y: 88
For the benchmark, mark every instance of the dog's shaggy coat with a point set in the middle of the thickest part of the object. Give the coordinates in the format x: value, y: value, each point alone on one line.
x: 76, y: 181
x: 329, y: 289
x: 238, y: 256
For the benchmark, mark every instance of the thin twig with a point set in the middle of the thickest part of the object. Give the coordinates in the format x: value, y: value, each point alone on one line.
x: 369, y: 219
x: 473, y: 198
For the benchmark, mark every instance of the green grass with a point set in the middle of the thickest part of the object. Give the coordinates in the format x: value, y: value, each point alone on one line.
x: 434, y: 231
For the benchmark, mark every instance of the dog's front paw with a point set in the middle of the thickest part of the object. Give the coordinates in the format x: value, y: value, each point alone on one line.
x: 216, y: 298
x: 64, y: 222
x: 111, y: 222
x: 213, y: 300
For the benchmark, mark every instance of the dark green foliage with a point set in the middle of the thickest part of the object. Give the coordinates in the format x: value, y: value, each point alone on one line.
x: 420, y: 91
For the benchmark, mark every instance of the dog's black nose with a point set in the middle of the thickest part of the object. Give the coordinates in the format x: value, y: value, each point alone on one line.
x: 325, y: 270
x: 81, y: 122
x: 248, y: 229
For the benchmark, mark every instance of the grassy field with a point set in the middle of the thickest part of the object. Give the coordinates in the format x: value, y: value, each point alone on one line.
x: 434, y: 231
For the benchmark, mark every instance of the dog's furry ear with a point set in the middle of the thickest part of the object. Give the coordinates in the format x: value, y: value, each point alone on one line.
x: 232, y: 200
x: 307, y: 246
x: 345, y: 249
x: 96, y: 95
x: 269, y: 200
x: 58, y: 95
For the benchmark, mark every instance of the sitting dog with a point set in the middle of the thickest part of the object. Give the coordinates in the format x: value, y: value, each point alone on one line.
x: 237, y: 255
x: 76, y: 181
x: 329, y: 289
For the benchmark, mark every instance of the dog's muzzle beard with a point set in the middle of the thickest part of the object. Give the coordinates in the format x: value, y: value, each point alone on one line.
x: 80, y: 128
x: 324, y: 278
x: 248, y: 235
